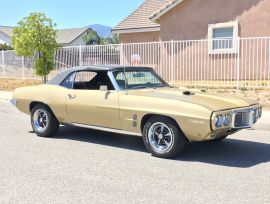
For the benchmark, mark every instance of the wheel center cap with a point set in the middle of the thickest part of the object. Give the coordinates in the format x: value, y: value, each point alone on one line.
x: 160, y: 136
x: 41, y: 120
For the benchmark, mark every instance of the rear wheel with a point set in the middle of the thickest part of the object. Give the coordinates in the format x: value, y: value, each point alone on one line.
x: 163, y: 138
x: 43, y: 121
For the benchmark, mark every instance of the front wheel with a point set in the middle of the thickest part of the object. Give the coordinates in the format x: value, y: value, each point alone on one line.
x: 43, y: 121
x: 163, y: 138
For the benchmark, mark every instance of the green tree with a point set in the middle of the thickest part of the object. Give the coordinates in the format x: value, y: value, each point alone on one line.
x: 5, y: 47
x: 91, y: 36
x: 105, y: 41
x: 115, y: 39
x: 35, y: 36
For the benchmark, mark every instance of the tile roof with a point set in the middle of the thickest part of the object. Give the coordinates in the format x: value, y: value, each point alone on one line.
x: 139, y: 19
x: 64, y: 36
x: 164, y: 9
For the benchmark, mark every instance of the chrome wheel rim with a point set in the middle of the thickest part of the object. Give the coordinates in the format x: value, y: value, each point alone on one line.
x: 40, y: 120
x: 160, y: 137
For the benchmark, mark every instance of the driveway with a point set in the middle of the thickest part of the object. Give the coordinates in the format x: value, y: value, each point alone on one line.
x: 86, y: 166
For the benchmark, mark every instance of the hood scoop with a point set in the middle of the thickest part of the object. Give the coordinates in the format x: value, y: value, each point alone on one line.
x: 188, y: 93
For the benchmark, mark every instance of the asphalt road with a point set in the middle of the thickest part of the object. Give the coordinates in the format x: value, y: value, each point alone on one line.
x: 86, y: 166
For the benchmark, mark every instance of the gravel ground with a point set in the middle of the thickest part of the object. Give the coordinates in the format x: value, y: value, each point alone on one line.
x: 86, y: 166
x: 7, y: 84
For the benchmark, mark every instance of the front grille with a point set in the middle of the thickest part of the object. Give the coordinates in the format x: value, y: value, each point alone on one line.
x: 244, y: 119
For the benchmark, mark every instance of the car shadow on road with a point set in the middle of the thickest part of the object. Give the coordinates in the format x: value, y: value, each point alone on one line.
x: 102, y: 138
x: 229, y: 152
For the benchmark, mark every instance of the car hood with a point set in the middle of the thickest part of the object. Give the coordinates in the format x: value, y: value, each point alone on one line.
x: 209, y: 101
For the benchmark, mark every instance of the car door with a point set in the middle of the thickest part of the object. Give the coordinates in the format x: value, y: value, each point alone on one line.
x: 88, y: 105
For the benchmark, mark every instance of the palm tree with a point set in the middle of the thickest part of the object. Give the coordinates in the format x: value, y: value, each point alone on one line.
x: 115, y: 39
x: 91, y: 38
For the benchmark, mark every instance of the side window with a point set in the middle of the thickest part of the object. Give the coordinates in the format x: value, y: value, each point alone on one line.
x: 82, y: 77
x: 88, y: 80
x: 68, y: 82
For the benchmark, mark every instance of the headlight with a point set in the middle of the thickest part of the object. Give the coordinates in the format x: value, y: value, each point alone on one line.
x: 223, y: 120
x: 219, y: 121
x: 227, y: 120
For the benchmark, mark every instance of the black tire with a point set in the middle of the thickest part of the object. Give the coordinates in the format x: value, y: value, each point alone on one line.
x: 178, y: 140
x: 52, y: 124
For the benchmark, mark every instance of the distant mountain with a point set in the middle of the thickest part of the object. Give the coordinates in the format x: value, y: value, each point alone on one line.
x: 102, y: 30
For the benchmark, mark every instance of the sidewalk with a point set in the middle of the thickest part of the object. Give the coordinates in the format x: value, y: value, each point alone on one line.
x: 6, y: 95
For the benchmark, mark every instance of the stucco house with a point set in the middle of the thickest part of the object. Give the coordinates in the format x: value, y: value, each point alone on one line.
x: 165, y: 20
x: 65, y: 37
x: 200, y: 40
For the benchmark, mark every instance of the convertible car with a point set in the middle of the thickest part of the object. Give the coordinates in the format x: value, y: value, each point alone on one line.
x: 134, y: 100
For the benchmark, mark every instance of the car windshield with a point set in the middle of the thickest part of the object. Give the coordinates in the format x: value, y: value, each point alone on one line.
x: 138, y: 79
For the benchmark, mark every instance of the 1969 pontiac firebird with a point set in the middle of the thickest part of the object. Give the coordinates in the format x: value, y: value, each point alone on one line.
x: 134, y: 100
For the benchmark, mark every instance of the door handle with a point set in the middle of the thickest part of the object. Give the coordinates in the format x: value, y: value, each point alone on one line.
x: 71, y: 96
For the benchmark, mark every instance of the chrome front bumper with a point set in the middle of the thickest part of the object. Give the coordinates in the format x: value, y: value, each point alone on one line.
x: 236, y: 119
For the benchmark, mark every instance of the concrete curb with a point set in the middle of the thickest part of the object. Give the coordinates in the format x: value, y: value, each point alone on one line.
x: 6, y: 95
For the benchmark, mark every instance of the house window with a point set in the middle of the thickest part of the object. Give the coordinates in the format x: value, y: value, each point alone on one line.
x: 223, y: 38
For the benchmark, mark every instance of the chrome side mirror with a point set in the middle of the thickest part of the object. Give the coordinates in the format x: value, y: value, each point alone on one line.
x: 103, y: 88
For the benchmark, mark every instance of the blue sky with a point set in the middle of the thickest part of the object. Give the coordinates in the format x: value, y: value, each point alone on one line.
x: 69, y: 13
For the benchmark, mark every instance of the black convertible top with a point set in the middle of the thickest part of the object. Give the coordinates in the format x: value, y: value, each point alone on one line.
x: 57, y: 80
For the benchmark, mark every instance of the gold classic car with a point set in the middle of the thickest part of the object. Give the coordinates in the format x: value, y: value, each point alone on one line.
x: 134, y: 100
